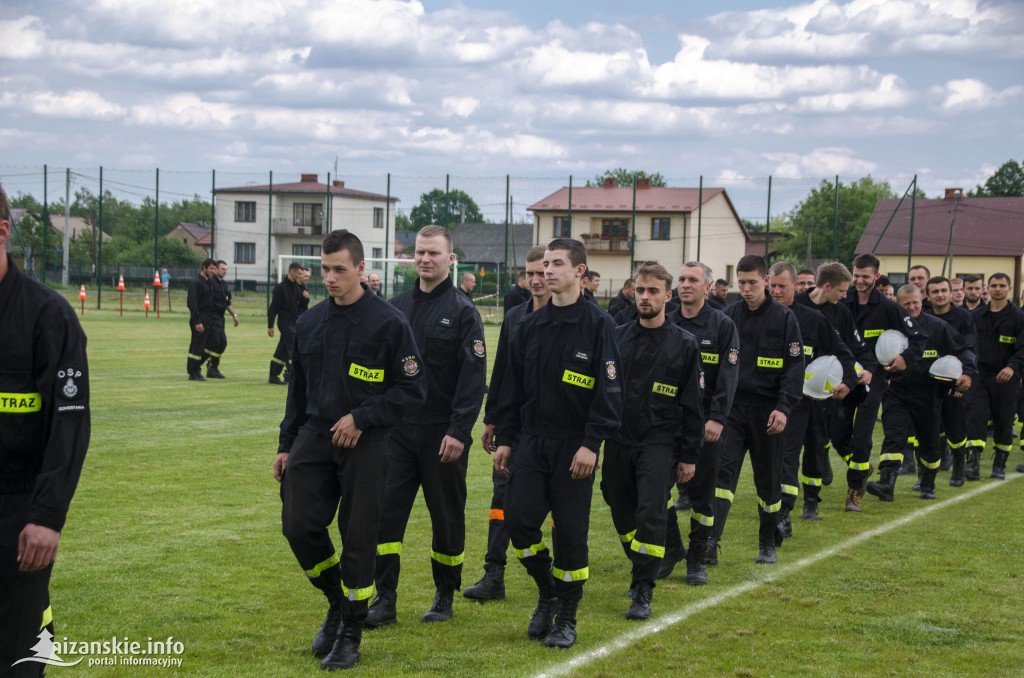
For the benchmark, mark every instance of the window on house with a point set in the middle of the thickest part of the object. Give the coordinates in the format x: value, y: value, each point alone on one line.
x: 309, y: 214
x: 728, y: 274
x: 563, y: 227
x: 378, y: 217
x: 306, y: 250
x: 661, y: 228
x: 615, y: 228
x: 245, y: 211
x: 378, y: 254
x: 245, y: 252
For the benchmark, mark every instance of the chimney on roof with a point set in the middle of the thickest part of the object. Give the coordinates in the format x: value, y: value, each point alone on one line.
x: 643, y: 182
x: 953, y: 193
x: 338, y: 183
x: 309, y: 178
x: 610, y: 182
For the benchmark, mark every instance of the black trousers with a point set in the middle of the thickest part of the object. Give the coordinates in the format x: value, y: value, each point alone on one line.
x: 24, y: 596
x: 216, y: 342
x: 636, y: 482
x: 852, y: 428
x: 283, y: 353
x: 322, y: 479
x: 197, y: 354
x: 954, y: 420
x: 701, y: 490
x: 747, y: 430
x: 807, y: 430
x: 911, y: 412
x: 497, y: 535
x: 540, y: 482
x: 413, y: 462
x: 988, y: 400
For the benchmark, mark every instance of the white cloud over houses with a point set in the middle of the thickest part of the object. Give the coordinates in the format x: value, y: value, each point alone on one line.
x: 959, y: 96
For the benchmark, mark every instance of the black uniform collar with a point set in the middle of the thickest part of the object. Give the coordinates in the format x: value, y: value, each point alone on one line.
x: 874, y: 298
x: 9, y: 282
x: 768, y: 302
x: 636, y: 328
x: 352, y: 311
x: 442, y: 287
x: 571, y: 313
x: 702, y: 315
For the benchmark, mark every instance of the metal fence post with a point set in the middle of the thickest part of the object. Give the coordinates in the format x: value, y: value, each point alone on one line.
x: 46, y: 218
x: 913, y: 205
x: 700, y: 214
x: 213, y: 214
x: 835, y: 224
x: 768, y: 220
x: 156, y: 225
x: 98, y: 232
x: 270, y: 227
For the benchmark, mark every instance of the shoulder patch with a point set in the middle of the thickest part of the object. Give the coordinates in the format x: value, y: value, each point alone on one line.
x: 700, y: 380
x: 610, y: 370
x: 734, y: 355
x: 478, y: 348
x: 445, y: 322
x: 410, y: 366
x: 794, y: 349
x: 70, y: 389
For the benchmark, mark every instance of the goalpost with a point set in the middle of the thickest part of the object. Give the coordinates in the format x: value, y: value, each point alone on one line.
x: 396, y: 275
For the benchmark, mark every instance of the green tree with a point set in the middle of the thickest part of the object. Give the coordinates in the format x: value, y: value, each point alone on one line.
x: 1006, y: 182
x: 403, y: 223
x: 625, y: 177
x: 446, y: 209
x: 814, y: 217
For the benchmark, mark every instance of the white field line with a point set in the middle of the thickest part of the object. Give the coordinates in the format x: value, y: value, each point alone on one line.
x: 770, y: 575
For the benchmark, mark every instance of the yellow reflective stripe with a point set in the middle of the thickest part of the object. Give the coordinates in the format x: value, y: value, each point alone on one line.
x: 20, y: 403
x: 848, y: 457
x: 709, y: 358
x: 1002, y: 448
x: 365, y: 373
x: 652, y: 550
x: 707, y: 521
x: 626, y: 538
x: 975, y: 443
x: 279, y: 362
x: 215, y: 355
x: 450, y: 561
x: 930, y: 353
x: 808, y: 350
x: 576, y: 379
x: 47, y: 617
x: 773, y: 363
x: 581, y: 574
x: 769, y: 508
x: 931, y: 464
x: 389, y: 548
x: 813, y: 482
x: 530, y: 551
x: 195, y: 357
x: 913, y: 441
x: 670, y: 502
x: 958, y: 445
x: 790, y: 489
x: 664, y: 389
x: 722, y: 493
x: 890, y: 456
x: 858, y: 466
x: 1003, y: 339
x: 321, y: 566
x: 871, y: 334
x: 364, y: 593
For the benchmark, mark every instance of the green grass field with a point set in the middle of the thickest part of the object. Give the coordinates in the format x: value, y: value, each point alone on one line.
x: 175, y: 531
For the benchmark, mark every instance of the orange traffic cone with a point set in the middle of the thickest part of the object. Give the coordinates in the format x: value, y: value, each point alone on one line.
x: 120, y: 283
x: 156, y: 279
x: 81, y: 293
x: 145, y: 303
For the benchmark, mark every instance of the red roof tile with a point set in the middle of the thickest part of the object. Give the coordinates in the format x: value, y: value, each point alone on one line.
x: 307, y: 187
x: 620, y: 198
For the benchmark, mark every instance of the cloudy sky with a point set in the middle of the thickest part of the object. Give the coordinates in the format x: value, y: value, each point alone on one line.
x: 488, y: 88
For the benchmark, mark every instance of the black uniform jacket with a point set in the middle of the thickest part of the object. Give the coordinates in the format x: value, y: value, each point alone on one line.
x: 563, y: 377
x: 516, y: 296
x: 820, y: 338
x: 879, y: 315
x: 359, y: 359
x: 842, y: 320
x: 286, y: 303
x: 1000, y: 339
x: 200, y: 301
x: 44, y: 397
x: 630, y: 313
x: 772, y: 356
x: 962, y: 322
x: 719, y: 345
x: 220, y: 296
x: 508, y: 325
x: 620, y: 302
x: 663, y: 383
x: 942, y: 340
x: 450, y: 337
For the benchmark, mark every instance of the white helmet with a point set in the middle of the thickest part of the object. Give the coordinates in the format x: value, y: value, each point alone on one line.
x: 890, y: 344
x: 947, y: 368
x: 822, y: 377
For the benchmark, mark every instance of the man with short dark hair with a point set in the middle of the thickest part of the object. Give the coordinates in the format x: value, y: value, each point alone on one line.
x: 885, y: 287
x: 957, y: 291
x: 467, y: 284
x: 217, y: 342
x: 918, y: 277
x: 200, y: 308
x: 519, y: 294
x: 357, y: 373
x: 805, y: 279
x: 624, y: 299
x: 973, y: 286
x: 285, y: 305
x: 373, y: 281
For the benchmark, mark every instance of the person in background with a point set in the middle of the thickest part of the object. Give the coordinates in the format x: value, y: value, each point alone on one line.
x: 468, y: 284
x: 373, y: 280
x: 805, y: 278
x: 624, y: 299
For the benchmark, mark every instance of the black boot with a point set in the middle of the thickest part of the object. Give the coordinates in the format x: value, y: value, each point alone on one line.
x: 885, y: 488
x: 441, y: 610
x: 947, y: 459
x: 214, y: 373
x: 383, y: 611
x: 711, y: 554
x: 767, y: 534
x: 642, y: 594
x: 696, y: 573
x: 999, y: 465
x: 547, y: 606
x: 331, y: 627
x: 345, y: 653
x: 563, y: 633
x: 917, y: 485
x: 683, y: 503
x: 490, y: 587
x: 810, y: 510
x: 766, y: 552
x: 908, y: 467
x: 784, y: 527
x: 956, y: 473
x: 928, y: 483
x: 671, y: 559
x: 973, y: 469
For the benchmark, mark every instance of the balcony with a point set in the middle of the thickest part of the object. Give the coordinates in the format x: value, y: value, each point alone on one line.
x: 284, y: 226
x: 606, y: 244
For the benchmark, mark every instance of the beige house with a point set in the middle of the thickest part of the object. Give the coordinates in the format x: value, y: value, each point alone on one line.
x: 952, y: 236
x: 668, y: 223
x: 192, y: 235
x: 77, y: 227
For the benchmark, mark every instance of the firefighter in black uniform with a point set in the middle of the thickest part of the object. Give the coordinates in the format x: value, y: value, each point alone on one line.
x: 431, y: 448
x: 492, y: 585
x: 285, y: 305
x: 770, y: 384
x: 357, y: 373
x: 719, y: 345
x: 662, y: 430
x: 200, y: 310
x: 1000, y: 366
x: 807, y: 427
x: 912, y: 402
x: 220, y: 298
x: 954, y: 409
x: 44, y: 435
x: 855, y: 423
x: 560, y: 399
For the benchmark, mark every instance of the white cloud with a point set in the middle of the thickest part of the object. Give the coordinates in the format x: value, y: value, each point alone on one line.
x: 22, y: 38
x: 819, y: 162
x: 460, y: 106
x: 959, y: 96
x: 889, y: 93
x: 554, y: 65
x: 75, y: 104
